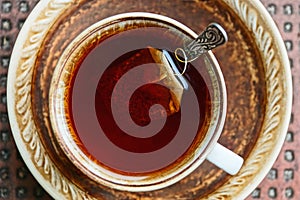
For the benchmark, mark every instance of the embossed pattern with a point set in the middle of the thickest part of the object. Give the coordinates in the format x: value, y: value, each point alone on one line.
x: 282, y: 181
x: 16, y: 182
x: 210, y: 38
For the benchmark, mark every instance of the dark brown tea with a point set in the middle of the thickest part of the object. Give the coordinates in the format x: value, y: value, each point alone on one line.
x: 129, y: 116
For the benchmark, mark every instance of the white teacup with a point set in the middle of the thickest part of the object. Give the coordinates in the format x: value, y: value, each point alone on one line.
x: 100, y: 168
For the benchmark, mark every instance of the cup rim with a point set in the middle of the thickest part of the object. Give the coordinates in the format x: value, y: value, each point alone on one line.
x: 100, y: 174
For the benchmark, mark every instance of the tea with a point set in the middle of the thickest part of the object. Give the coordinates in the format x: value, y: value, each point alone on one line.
x: 127, y: 116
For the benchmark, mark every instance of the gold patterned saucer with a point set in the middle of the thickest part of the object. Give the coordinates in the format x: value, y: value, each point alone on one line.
x: 254, y: 63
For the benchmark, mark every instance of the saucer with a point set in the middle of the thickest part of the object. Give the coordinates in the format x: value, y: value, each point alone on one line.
x: 255, y: 67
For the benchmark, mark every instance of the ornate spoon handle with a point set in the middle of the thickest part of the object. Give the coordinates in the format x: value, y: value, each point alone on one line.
x: 213, y: 36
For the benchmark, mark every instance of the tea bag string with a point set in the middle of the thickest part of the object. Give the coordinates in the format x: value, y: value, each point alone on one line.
x: 185, y: 61
x: 213, y: 36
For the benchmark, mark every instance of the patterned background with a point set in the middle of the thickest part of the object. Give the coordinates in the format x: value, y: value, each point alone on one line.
x: 283, y: 180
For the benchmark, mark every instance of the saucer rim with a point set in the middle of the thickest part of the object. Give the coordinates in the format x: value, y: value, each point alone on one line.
x: 243, y: 8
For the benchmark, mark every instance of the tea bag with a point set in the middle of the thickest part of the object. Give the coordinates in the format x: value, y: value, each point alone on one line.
x: 213, y: 36
x: 171, y: 78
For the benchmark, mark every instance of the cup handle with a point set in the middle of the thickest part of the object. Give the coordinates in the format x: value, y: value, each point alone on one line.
x: 225, y: 159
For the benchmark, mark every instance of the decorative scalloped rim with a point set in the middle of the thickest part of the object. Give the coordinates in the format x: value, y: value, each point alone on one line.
x: 255, y: 17
x: 21, y: 117
x: 279, y: 101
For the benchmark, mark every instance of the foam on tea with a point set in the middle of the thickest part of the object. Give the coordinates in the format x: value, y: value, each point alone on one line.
x: 131, y: 112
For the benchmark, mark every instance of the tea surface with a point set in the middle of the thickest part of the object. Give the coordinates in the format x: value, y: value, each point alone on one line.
x: 126, y: 112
